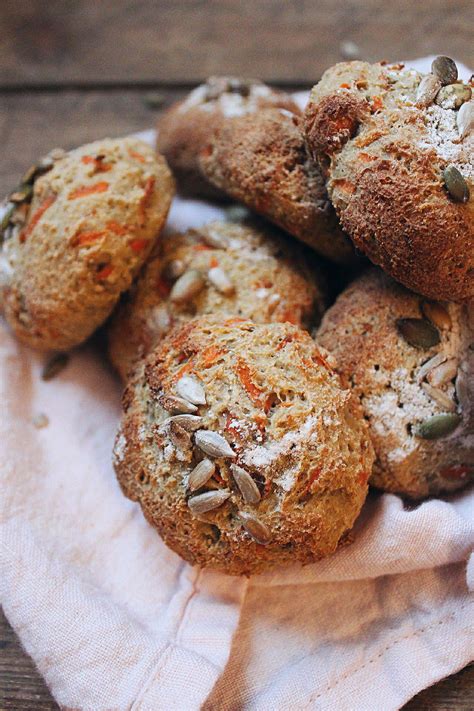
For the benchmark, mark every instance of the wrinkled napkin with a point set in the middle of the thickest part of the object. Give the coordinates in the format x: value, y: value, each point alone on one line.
x: 115, y: 621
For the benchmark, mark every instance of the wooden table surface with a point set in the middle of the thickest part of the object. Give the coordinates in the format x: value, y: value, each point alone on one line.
x: 71, y: 72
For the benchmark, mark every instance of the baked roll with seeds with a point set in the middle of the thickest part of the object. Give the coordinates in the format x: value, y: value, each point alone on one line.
x: 397, y: 149
x: 242, y: 447
x: 411, y: 363
x: 249, y: 270
x: 75, y: 234
x: 262, y: 161
x: 187, y: 126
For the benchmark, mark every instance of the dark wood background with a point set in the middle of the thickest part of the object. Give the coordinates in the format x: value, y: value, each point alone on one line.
x: 74, y: 71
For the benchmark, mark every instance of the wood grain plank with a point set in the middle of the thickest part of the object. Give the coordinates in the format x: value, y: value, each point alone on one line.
x: 50, y: 42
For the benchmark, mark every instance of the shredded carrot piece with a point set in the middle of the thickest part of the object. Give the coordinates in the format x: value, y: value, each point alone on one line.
x: 117, y: 229
x: 98, y: 163
x: 138, y: 245
x: 377, y: 103
x: 366, y: 157
x: 87, y: 237
x: 289, y: 317
x: 210, y: 355
x: 232, y: 321
x: 344, y: 185
x: 345, y: 86
x: 261, y: 421
x: 363, y: 141
x: 137, y: 156
x: 187, y: 368
x: 85, y: 190
x: 319, y: 358
x: 145, y: 201
x: 105, y: 272
x: 284, y: 342
x: 213, y: 263
x: 201, y: 248
x: 36, y: 217
x: 255, y: 393
x: 363, y: 477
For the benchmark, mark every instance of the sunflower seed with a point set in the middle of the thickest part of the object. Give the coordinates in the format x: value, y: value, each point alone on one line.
x: 439, y: 397
x: 159, y: 319
x: 427, y: 90
x: 201, y: 474
x: 465, y: 119
x: 437, y: 314
x: 462, y: 389
x: 213, y: 444
x: 429, y: 365
x: 438, y: 426
x: 246, y: 485
x: 190, y: 423
x: 176, y: 405
x: 174, y: 269
x: 54, y: 155
x: 21, y: 194
x: 213, y: 238
x: 255, y: 528
x: 187, y: 287
x: 445, y: 69
x: 418, y: 332
x: 54, y: 366
x: 455, y: 184
x: 218, y: 278
x: 208, y: 501
x: 179, y: 436
x: 7, y: 216
x: 443, y: 373
x: 453, y: 96
x: 191, y: 390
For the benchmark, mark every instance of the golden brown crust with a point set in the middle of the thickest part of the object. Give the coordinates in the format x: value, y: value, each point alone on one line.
x: 91, y: 224
x: 262, y: 161
x: 298, y: 436
x: 270, y: 279
x: 398, y: 391
x: 187, y: 126
x: 384, y: 155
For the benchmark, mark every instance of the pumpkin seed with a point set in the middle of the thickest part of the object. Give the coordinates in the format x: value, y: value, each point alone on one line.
x: 7, y: 215
x: 201, y: 474
x: 437, y: 314
x: 465, y: 119
x: 55, y: 365
x: 176, y: 405
x: 208, y: 501
x: 174, y: 269
x: 445, y: 69
x: 190, y: 423
x: 218, y: 278
x: 439, y: 397
x: 443, y: 373
x: 456, y: 184
x: 213, y: 444
x: 187, y: 287
x: 191, y: 390
x: 429, y: 365
x: 427, y: 90
x: 21, y: 194
x: 179, y: 436
x: 247, y: 486
x: 453, y: 96
x: 40, y: 421
x: 255, y: 528
x: 438, y: 426
x: 418, y: 332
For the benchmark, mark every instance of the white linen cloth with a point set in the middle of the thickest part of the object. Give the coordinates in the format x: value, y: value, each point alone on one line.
x: 115, y: 621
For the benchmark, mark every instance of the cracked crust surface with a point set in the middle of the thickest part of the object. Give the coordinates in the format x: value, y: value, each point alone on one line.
x: 90, y: 226
x: 275, y: 399
x: 272, y: 280
x: 398, y: 391
x: 383, y: 156
x: 262, y: 161
x: 186, y: 127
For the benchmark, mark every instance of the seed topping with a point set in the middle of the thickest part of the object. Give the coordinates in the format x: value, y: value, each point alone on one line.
x: 255, y: 528
x: 439, y: 397
x: 176, y: 405
x: 438, y: 426
x: 418, y: 332
x: 455, y: 183
x: 445, y: 69
x: 191, y: 390
x: 213, y: 444
x: 437, y: 314
x: 190, y: 423
x: 247, y: 486
x: 465, y: 119
x: 189, y: 285
x: 427, y: 90
x: 210, y: 500
x: 219, y: 278
x: 201, y: 474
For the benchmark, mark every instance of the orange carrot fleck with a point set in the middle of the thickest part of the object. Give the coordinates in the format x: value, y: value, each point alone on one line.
x: 377, y: 103
x: 138, y: 245
x: 97, y: 162
x: 232, y: 321
x: 36, y: 217
x: 105, y: 272
x: 85, y: 190
x: 201, y: 248
x: 284, y: 342
x: 313, y: 476
x: 137, y: 156
x: 116, y: 228
x: 187, y: 368
x: 145, y: 201
x: 210, y: 355
x: 345, y: 86
x: 84, y: 238
x: 319, y: 358
x: 245, y: 376
x: 213, y: 263
x: 289, y: 316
